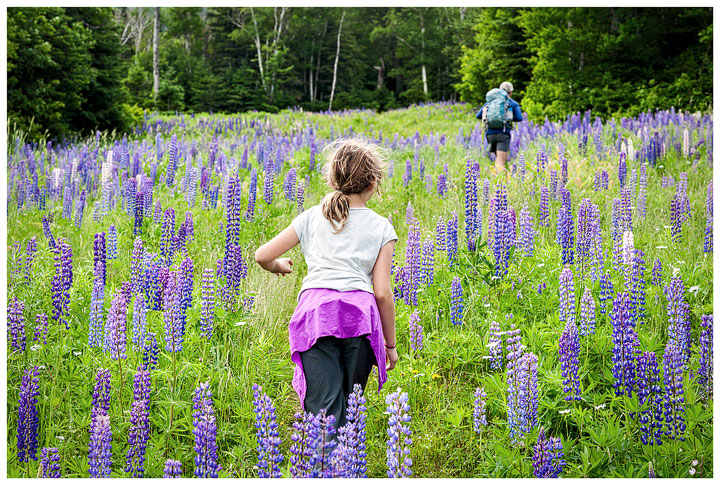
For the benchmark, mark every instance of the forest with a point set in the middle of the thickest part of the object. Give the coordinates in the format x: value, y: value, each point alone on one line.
x: 73, y: 70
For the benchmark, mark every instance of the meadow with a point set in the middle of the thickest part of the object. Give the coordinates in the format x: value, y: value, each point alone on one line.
x: 572, y: 296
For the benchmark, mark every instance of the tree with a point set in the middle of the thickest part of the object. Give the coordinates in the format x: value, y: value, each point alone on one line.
x: 156, y: 54
x: 337, y: 57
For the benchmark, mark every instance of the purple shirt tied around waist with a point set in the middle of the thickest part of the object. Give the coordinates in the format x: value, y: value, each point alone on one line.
x: 323, y: 312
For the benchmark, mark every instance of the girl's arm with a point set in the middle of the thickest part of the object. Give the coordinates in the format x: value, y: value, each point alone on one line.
x: 267, y: 255
x: 385, y: 301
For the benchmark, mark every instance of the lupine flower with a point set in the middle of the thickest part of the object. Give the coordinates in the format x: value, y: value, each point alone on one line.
x: 649, y: 392
x: 676, y: 219
x: 565, y: 235
x: 96, y: 307
x: 587, y: 313
x: 471, y: 205
x: 705, y: 360
x: 50, y: 463
x: 525, y: 415
x: 207, y: 311
x: 440, y: 235
x: 268, y: 438
x: 41, y: 327
x: 412, y: 264
x: 442, y: 185
x: 100, y: 255
x: 495, y: 346
x: 674, y: 393
x: 302, y: 455
x: 548, y: 459
x: 252, y: 196
x: 416, y: 332
x: 48, y: 233
x: 115, y: 335
x: 428, y: 262
x: 172, y: 161
x: 541, y: 286
x: 173, y: 324
x: 268, y: 188
x: 452, y: 239
x: 553, y: 184
x: 150, y: 351
x: 407, y: 176
x: 62, y: 281
x: 300, y: 197
x: 502, y: 231
x: 544, y: 215
x: 527, y: 232
x: 657, y: 273
x: 398, y: 444
x: 137, y: 260
x: 168, y: 230
x: 588, y: 213
x: 678, y: 317
x: 409, y: 214
x: 479, y: 418
x: 100, y: 450
x: 173, y: 469
x: 626, y: 344
x: 567, y: 296
x: 637, y: 287
x: 641, y: 201
x: 515, y: 351
x: 158, y: 213
x: 569, y: 351
x: 651, y: 470
x: 139, y: 322
x: 30, y: 252
x: 349, y: 459
x: 606, y: 292
x: 622, y: 170
x: 456, y: 305
x: 138, y: 215
x: 16, y: 324
x: 289, y: 184
x: 205, y: 431
x: 112, y: 242
x: 28, y: 420
x: 186, y: 289
x: 139, y: 424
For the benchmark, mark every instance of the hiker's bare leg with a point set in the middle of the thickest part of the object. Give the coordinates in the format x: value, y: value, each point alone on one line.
x: 500, y: 159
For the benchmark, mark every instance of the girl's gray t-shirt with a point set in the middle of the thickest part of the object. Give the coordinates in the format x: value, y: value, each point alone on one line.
x: 342, y: 261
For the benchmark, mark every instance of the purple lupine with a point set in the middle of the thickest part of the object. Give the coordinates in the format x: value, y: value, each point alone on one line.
x: 100, y: 254
x: 416, y: 332
x: 440, y: 235
x: 41, y: 328
x: 708, y: 243
x: 16, y: 324
x: 302, y: 456
x: 300, y: 199
x: 30, y: 252
x: 158, y: 213
x: 50, y: 463
x: 28, y: 420
x: 625, y: 349
x: 186, y: 289
x: 172, y: 161
x: 495, y: 346
x: 268, y: 187
x: 452, y: 239
x: 657, y: 273
x: 398, y: 444
x: 139, y: 423
x: 412, y: 264
x: 674, y: 393
x: 637, y: 287
x: 676, y: 219
x: 501, y: 231
x: 232, y: 205
x: 649, y: 392
x: 173, y: 323
x: 139, y: 212
x: 428, y: 262
x: 553, y: 184
x: 705, y: 359
x: 548, y: 459
x: 205, y: 431
x: 565, y: 234
x: 62, y: 281
x: 173, y: 469
x: 289, y: 184
x: 527, y: 232
x: 587, y: 313
x: 641, y: 204
x: 115, y: 334
x: 606, y: 292
x: 139, y: 322
x: 616, y: 233
x: 150, y: 351
x: 349, y: 459
x: 168, y: 231
x: 137, y: 259
x: 479, y: 418
x: 456, y: 303
x: 409, y: 214
x: 252, y: 196
x: 189, y: 226
x: 471, y: 205
x: 407, y: 176
x: 527, y: 391
x: 207, y: 310
x: 678, y: 312
x: 48, y: 233
x: 566, y: 291
x: 569, y: 352
x: 544, y: 214
x: 587, y: 215
x: 268, y: 438
x: 622, y: 170
x: 112, y: 252
x: 441, y: 185
x: 100, y: 448
x: 515, y: 350
x: 97, y: 301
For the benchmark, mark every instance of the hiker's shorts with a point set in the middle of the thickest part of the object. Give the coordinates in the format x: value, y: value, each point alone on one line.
x: 499, y: 141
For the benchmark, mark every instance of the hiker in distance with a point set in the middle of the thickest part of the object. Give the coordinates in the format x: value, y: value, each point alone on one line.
x: 498, y: 114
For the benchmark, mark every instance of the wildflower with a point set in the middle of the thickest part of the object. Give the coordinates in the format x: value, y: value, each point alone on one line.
x: 569, y: 351
x: 16, y: 324
x: 428, y: 262
x: 527, y: 232
x: 412, y: 264
x: 544, y: 215
x: 349, y: 459
x: 139, y: 424
x: 626, y: 345
x: 587, y: 313
x: 452, y: 239
x: 41, y: 327
x: 207, y: 311
x: 567, y: 296
x: 173, y: 323
x: 650, y: 392
x: 479, y: 418
x: 115, y: 337
x: 269, y: 456
x: 674, y: 399
x: 49, y: 463
x: 456, y: 306
x: 205, y: 431
x: 440, y: 235
x: 678, y: 317
x: 548, y: 459
x: 28, y: 420
x: 416, y: 332
x: 495, y: 344
x: 398, y: 444
x: 705, y: 360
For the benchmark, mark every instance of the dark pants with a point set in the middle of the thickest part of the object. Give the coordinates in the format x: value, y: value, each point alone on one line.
x: 332, y: 366
x: 499, y: 141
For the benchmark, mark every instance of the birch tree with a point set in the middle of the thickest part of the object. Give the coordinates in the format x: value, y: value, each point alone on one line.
x: 337, y: 56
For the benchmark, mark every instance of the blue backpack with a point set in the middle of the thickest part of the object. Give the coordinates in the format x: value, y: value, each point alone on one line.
x: 497, y: 114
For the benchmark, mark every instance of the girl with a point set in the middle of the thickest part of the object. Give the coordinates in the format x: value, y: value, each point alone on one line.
x: 344, y: 322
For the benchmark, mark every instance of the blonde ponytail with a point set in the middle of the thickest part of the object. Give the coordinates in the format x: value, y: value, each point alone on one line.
x: 336, y: 207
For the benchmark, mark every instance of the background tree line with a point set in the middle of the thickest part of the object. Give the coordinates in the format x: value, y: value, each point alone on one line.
x: 77, y: 69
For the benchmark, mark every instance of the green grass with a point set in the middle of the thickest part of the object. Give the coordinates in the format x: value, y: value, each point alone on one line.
x: 252, y: 347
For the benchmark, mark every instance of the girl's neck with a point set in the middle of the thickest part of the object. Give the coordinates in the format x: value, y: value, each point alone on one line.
x: 357, y: 201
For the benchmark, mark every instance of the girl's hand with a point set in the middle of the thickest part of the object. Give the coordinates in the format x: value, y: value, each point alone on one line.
x: 283, y: 266
x: 391, y: 358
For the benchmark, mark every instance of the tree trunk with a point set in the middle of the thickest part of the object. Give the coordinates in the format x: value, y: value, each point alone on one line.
x: 381, y: 74
x: 276, y: 41
x: 422, y: 53
x: 312, y: 72
x: 156, y: 54
x: 206, y: 31
x: 337, y: 56
x: 259, y: 50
